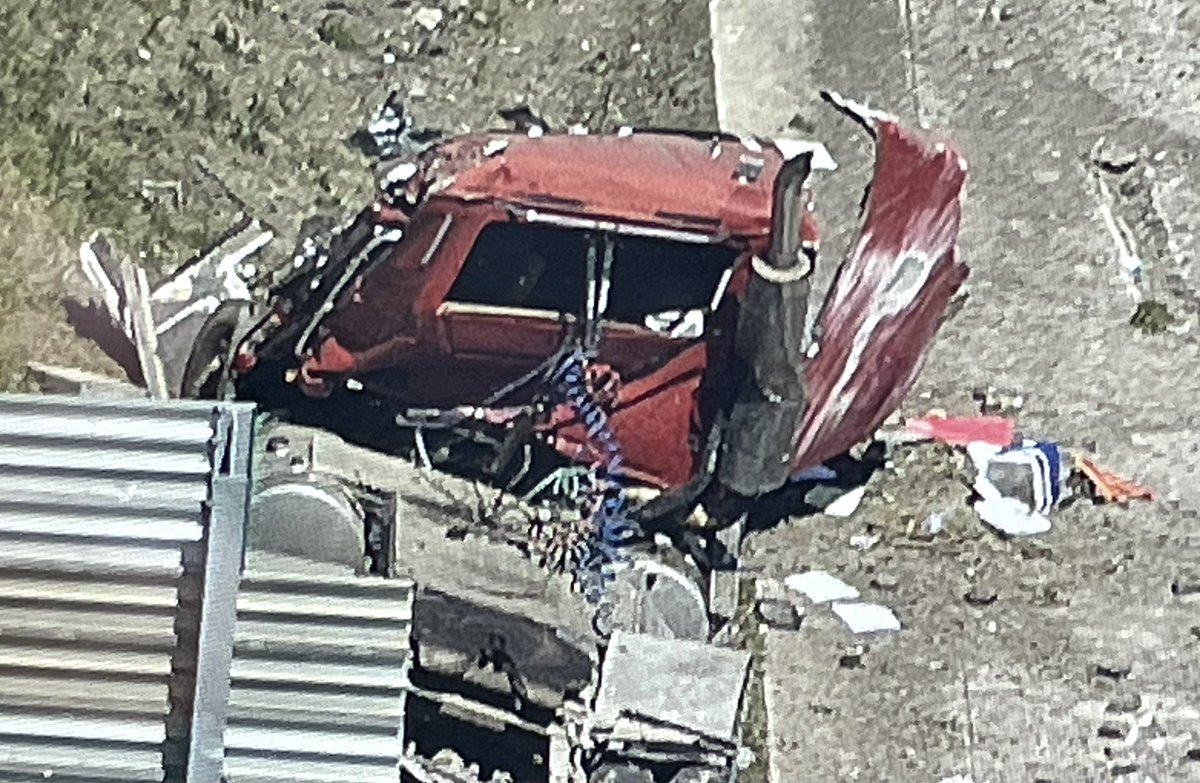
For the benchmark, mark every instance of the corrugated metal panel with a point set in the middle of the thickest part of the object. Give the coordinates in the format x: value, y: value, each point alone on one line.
x: 319, y: 668
x: 102, y: 503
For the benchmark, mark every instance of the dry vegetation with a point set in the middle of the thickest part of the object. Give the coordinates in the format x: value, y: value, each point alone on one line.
x: 38, y: 269
x: 101, y: 98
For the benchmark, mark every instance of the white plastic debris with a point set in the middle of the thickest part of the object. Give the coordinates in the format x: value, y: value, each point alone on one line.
x: 1019, y: 486
x: 676, y: 324
x: 1123, y: 239
x: 861, y: 617
x: 429, y: 18
x: 820, y: 587
x: 934, y: 523
x: 401, y: 172
x: 863, y: 541
x: 386, y: 124
x: 751, y: 143
x: 1010, y: 516
x: 495, y: 147
x: 847, y: 504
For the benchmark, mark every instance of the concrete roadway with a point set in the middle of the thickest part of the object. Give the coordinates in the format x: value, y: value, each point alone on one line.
x: 1009, y: 691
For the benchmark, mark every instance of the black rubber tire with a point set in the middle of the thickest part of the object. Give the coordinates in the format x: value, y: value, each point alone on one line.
x: 213, y: 341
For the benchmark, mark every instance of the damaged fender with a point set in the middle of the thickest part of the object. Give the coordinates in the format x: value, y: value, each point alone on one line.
x: 890, y: 294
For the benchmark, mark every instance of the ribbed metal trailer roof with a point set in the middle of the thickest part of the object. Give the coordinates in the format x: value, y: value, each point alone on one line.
x: 319, y: 676
x: 113, y: 514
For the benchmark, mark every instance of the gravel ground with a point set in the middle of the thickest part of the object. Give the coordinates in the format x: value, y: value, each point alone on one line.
x: 1018, y: 660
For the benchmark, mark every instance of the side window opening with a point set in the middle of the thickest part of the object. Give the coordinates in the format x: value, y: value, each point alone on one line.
x: 526, y: 266
x: 658, y: 282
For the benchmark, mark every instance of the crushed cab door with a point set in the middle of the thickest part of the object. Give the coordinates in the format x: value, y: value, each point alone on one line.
x: 658, y: 307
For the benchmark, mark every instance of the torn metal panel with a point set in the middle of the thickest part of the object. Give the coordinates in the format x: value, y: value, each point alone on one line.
x: 164, y: 324
x: 103, y: 271
x: 52, y: 379
x: 108, y: 508
x: 891, y: 293
x: 494, y: 718
x: 145, y: 336
x: 223, y: 270
x: 184, y: 303
x: 690, y: 689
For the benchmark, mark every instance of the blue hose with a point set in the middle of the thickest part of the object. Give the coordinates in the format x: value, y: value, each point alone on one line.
x: 594, y: 558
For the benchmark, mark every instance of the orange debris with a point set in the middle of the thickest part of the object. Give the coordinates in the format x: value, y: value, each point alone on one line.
x: 1110, y: 487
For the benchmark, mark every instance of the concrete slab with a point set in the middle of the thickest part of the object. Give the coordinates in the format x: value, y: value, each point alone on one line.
x: 1002, y: 692
x: 685, y: 684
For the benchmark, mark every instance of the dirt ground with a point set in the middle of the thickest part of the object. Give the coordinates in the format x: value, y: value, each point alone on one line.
x: 1065, y: 657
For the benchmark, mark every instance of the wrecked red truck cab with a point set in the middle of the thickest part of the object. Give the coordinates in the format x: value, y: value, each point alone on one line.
x: 506, y: 258
x: 492, y: 255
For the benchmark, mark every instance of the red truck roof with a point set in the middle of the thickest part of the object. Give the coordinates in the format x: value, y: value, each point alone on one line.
x: 661, y: 179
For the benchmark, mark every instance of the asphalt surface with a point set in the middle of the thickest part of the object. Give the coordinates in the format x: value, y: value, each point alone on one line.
x: 1083, y: 666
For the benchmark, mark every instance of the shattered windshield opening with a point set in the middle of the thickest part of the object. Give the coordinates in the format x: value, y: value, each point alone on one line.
x: 652, y: 277
x: 659, y: 284
x: 526, y: 266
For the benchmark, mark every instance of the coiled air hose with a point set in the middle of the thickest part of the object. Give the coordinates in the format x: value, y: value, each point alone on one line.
x: 597, y: 556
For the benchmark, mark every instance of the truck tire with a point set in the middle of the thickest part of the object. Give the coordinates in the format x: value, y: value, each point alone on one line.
x: 207, y: 369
